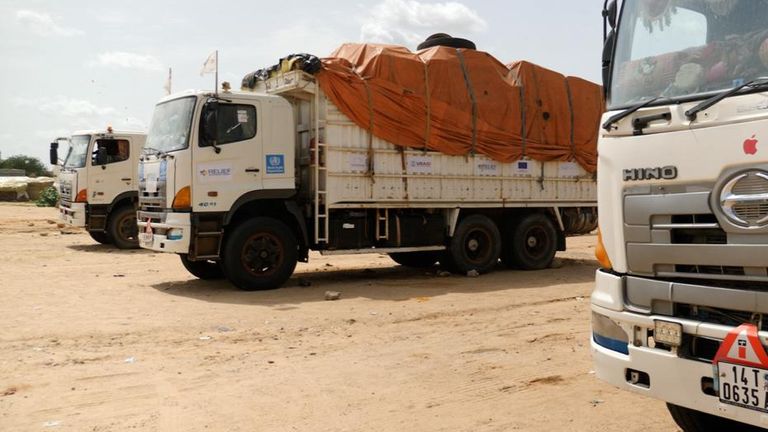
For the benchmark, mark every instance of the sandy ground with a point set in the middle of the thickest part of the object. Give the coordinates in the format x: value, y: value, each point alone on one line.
x: 96, y: 339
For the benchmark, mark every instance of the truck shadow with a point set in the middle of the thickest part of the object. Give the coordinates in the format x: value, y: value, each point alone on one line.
x: 101, y: 248
x: 396, y: 283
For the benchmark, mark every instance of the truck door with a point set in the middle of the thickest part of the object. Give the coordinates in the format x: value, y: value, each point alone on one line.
x: 221, y: 177
x: 110, y: 171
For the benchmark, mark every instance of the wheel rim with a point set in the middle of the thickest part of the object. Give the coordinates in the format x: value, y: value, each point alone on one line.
x: 536, y: 242
x: 477, y: 245
x: 127, y: 228
x: 262, y: 254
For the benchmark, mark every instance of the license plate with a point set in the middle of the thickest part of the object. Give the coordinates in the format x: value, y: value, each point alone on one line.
x: 146, y: 237
x: 743, y: 386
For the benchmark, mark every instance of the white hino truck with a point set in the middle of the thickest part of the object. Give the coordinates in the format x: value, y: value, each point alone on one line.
x: 680, y: 304
x: 244, y: 183
x: 98, y: 184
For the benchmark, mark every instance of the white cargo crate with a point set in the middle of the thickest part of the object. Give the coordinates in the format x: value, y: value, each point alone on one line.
x: 361, y: 170
x: 414, y: 177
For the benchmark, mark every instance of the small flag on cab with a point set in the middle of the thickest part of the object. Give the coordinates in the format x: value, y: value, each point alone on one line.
x: 212, y: 65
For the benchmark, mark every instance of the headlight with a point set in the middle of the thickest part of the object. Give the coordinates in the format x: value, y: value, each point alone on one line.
x: 174, y: 234
x: 608, y: 334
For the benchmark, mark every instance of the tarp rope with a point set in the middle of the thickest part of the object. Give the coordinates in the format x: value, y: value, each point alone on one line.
x: 472, y: 98
x: 570, y: 110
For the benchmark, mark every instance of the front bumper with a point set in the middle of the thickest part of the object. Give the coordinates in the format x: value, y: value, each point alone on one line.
x: 160, y: 241
x: 72, y: 214
x: 671, y: 378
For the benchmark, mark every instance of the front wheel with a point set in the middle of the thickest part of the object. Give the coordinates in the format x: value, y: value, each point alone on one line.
x: 122, y: 228
x: 259, y: 254
x: 205, y: 269
x: 696, y: 421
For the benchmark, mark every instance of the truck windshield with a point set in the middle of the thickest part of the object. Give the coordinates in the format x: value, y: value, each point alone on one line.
x: 170, y: 126
x: 78, y: 150
x: 687, y: 49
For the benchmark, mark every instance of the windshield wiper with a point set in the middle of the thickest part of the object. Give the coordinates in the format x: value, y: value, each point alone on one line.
x: 158, y: 153
x: 756, y: 83
x: 618, y: 116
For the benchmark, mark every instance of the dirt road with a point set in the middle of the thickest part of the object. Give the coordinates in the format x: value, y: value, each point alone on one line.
x: 96, y: 339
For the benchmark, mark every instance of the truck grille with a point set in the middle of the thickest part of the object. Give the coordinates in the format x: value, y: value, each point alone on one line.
x: 674, y: 233
x: 156, y: 201
x: 749, y: 194
x: 711, y: 270
x: 66, y: 191
x: 152, y: 201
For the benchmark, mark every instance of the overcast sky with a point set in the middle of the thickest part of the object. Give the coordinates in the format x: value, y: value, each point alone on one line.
x: 69, y: 65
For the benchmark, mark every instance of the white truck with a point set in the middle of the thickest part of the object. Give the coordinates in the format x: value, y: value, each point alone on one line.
x: 243, y: 184
x: 679, y: 305
x: 98, y: 184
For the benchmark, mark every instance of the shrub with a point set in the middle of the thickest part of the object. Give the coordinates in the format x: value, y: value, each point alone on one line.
x: 48, y: 198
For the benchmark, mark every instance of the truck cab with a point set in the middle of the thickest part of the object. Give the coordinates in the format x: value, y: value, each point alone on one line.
x: 98, y: 182
x: 679, y: 303
x: 205, y: 157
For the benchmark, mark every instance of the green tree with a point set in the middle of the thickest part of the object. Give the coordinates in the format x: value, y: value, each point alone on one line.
x: 32, y: 166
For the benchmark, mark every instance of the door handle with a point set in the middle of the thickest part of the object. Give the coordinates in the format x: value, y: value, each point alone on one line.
x: 126, y: 179
x: 254, y: 170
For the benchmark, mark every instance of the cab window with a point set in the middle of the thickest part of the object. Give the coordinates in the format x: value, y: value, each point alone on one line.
x: 235, y: 123
x: 116, y: 150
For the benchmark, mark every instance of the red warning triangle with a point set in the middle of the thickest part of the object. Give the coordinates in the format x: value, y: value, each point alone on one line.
x: 742, y: 346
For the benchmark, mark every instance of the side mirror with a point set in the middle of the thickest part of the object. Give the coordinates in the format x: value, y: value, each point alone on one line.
x: 209, y: 124
x: 54, y: 153
x: 101, y: 156
x: 609, y: 13
x: 610, y: 40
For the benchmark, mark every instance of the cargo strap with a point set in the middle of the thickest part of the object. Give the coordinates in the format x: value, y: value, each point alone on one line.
x: 523, y: 129
x: 472, y: 98
x: 428, y: 100
x: 371, y: 165
x: 570, y: 110
x: 404, y: 164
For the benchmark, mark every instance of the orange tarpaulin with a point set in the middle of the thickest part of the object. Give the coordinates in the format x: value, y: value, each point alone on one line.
x: 459, y: 101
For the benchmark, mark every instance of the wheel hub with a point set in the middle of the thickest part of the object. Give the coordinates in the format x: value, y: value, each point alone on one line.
x: 532, y: 241
x: 262, y: 254
x: 473, y: 245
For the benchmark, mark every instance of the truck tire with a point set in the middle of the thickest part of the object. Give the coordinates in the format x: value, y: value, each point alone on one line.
x: 423, y: 259
x: 122, y: 228
x: 260, y: 253
x: 696, y: 421
x: 100, y: 237
x: 532, y: 243
x: 443, y: 39
x: 205, y: 270
x: 475, y: 245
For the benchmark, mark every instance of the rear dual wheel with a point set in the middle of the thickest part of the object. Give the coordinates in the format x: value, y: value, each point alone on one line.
x: 475, y: 245
x: 422, y: 259
x: 100, y: 237
x: 531, y: 244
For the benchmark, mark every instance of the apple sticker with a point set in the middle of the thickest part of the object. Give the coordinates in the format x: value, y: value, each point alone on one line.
x: 750, y: 145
